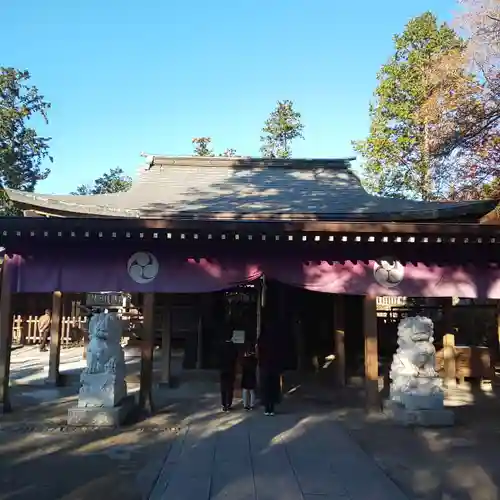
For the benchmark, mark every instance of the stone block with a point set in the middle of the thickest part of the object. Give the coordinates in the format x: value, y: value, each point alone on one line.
x: 421, y: 417
x: 101, y: 389
x: 422, y: 401
x: 93, y: 416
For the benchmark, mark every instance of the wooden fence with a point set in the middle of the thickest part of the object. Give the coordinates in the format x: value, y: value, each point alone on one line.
x: 25, y: 330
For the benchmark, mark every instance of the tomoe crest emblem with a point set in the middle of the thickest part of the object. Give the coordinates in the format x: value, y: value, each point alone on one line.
x: 388, y: 272
x: 143, y: 267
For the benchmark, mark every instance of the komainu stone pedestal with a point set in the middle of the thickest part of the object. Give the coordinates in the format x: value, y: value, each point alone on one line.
x: 101, y: 416
x: 416, y: 396
x: 422, y: 417
x: 103, y: 399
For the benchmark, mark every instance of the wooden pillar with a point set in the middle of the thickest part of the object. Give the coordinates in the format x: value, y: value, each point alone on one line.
x: 259, y: 304
x: 5, y: 336
x: 495, y: 352
x: 166, y: 343
x: 371, y: 353
x: 54, y: 376
x: 147, y: 347
x: 199, y: 334
x: 497, y: 357
x: 339, y: 339
x: 299, y: 342
x: 450, y: 368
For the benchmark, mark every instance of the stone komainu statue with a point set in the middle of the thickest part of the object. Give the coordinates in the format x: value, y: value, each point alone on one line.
x: 104, y: 351
x: 413, y: 369
x: 103, y: 380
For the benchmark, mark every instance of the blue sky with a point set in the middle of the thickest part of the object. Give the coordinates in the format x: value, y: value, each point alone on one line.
x: 125, y: 76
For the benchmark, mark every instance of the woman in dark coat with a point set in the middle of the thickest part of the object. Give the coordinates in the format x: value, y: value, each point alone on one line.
x: 269, y: 368
x: 227, y: 370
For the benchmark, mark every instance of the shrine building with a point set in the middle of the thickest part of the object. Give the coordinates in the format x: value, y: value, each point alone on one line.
x: 204, y: 244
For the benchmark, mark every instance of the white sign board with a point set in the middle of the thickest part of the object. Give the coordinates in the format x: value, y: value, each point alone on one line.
x: 238, y: 337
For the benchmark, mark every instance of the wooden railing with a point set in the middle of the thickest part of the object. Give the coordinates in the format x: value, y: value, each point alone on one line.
x: 25, y: 329
x: 473, y: 362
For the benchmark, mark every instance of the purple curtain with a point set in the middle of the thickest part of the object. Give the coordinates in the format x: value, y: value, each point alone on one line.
x: 357, y: 278
x: 109, y: 270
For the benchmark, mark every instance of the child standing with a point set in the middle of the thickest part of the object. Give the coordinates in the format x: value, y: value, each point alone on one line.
x: 249, y: 377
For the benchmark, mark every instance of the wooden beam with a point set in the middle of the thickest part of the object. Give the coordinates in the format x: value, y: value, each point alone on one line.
x: 339, y: 338
x: 147, y: 347
x: 166, y: 342
x: 5, y: 335
x: 54, y: 376
x: 371, y: 353
x: 251, y: 226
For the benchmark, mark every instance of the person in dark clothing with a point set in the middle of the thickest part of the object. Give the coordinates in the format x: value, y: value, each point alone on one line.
x: 249, y: 377
x: 227, y: 370
x: 270, y: 369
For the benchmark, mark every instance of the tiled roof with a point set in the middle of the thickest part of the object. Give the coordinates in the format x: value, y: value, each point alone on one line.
x: 246, y: 188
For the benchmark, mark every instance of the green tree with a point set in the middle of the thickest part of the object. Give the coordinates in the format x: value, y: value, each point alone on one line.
x: 282, y: 127
x: 462, y: 115
x: 202, y: 146
x: 22, y: 150
x: 397, y: 154
x: 229, y: 153
x: 114, y: 181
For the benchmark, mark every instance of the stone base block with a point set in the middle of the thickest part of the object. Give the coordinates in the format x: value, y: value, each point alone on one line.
x: 424, y: 418
x: 92, y: 416
x: 422, y: 401
x: 106, y: 389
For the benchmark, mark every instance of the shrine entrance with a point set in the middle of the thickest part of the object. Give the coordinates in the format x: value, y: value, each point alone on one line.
x: 242, y: 313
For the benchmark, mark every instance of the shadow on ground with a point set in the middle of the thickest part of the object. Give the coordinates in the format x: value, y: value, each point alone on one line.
x: 188, y: 441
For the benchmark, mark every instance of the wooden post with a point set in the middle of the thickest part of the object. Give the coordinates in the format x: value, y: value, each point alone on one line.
x: 450, y: 368
x: 147, y: 347
x: 258, y: 325
x: 299, y: 342
x: 54, y: 377
x: 5, y: 336
x: 258, y: 312
x: 495, y: 349
x: 339, y: 339
x: 371, y: 353
x: 497, y: 357
x: 199, y: 334
x: 166, y: 343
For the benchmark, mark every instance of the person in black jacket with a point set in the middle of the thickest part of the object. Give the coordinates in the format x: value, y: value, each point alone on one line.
x: 227, y: 369
x: 269, y: 368
x: 249, y: 377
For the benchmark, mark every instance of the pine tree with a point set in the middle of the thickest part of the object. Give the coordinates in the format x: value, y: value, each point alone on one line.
x: 202, y: 146
x: 398, y: 160
x: 281, y: 128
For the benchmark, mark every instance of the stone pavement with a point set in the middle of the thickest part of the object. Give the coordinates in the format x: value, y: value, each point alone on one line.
x: 190, y: 451
x: 242, y: 456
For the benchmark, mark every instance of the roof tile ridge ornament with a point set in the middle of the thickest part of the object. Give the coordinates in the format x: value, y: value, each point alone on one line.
x: 150, y: 159
x: 249, y: 161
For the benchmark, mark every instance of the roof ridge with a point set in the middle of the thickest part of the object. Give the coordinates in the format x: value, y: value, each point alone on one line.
x: 248, y: 161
